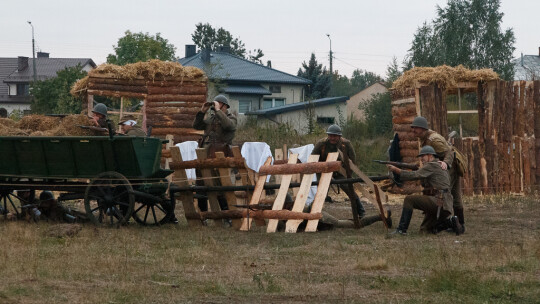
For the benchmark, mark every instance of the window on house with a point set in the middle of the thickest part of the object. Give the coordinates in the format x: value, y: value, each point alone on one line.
x: 325, y: 120
x: 273, y: 102
x: 275, y: 89
x: 244, y: 105
x: 22, y: 89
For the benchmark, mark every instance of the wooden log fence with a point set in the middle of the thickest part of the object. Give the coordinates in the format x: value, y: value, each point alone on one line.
x: 502, y: 158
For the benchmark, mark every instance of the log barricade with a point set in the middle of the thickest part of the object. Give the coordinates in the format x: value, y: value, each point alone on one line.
x: 252, y: 206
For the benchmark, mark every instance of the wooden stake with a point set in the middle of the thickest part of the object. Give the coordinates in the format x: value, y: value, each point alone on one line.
x: 301, y: 197
x: 257, y: 193
x: 282, y: 194
x: 186, y: 197
x: 322, y: 191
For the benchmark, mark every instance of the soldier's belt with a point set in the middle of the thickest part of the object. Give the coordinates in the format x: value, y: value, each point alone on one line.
x: 433, y: 192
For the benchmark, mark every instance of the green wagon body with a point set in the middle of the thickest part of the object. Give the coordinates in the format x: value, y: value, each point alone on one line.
x: 80, y: 157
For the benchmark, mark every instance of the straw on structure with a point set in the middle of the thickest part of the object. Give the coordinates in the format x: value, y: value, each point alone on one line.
x: 444, y: 76
x: 151, y: 70
x: 79, y: 87
x: 39, y: 125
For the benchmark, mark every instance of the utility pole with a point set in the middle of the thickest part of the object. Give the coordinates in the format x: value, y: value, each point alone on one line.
x: 331, y: 70
x: 33, y: 52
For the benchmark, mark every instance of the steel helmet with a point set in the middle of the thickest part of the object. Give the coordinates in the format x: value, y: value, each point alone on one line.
x: 427, y: 150
x: 221, y: 98
x: 334, y: 129
x: 420, y: 122
x: 100, y: 109
x: 46, y: 195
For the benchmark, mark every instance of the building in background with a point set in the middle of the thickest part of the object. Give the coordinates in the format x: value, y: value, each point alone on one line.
x: 16, y: 74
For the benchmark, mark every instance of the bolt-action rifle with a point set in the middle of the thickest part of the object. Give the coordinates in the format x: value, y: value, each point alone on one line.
x: 400, y: 165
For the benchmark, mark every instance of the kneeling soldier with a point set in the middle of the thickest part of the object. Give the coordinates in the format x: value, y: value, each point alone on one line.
x: 436, y: 201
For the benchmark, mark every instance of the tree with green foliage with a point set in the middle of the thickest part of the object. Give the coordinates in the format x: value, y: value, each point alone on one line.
x: 52, y: 96
x: 378, y: 114
x: 207, y: 37
x: 318, y: 75
x: 466, y: 32
x: 362, y: 79
x: 392, y: 72
x: 135, y: 47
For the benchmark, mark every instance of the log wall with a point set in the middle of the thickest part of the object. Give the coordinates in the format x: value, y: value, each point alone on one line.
x: 502, y: 158
x: 169, y: 107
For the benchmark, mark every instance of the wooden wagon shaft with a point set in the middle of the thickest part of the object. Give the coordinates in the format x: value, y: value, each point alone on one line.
x: 227, y: 162
x: 255, y: 214
x: 182, y: 90
x: 116, y: 94
x: 116, y: 87
x: 306, y: 168
x: 171, y: 110
x: 174, y: 97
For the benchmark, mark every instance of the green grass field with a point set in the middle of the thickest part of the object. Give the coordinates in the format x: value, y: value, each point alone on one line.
x: 496, y: 261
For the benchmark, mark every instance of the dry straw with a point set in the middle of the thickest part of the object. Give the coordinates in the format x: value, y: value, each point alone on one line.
x: 444, y: 76
x: 151, y: 70
x: 40, y: 125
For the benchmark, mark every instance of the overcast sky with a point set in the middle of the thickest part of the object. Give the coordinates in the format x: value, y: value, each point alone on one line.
x: 365, y: 34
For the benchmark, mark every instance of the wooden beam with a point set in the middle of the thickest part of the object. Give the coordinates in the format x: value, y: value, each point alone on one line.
x: 282, y: 194
x: 307, y: 168
x: 224, y: 162
x: 257, y: 193
x: 322, y: 191
x: 301, y: 197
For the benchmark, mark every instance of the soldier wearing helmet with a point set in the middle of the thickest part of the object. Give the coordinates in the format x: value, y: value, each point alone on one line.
x: 334, y: 142
x: 436, y: 201
x: 219, y: 126
x: 450, y: 160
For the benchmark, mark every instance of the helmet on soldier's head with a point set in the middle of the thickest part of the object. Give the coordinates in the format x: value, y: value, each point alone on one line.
x: 334, y: 129
x: 46, y: 195
x: 427, y: 150
x: 221, y: 98
x: 100, y: 109
x: 420, y: 122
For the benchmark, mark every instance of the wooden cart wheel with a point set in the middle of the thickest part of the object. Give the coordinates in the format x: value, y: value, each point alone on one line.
x: 7, y: 204
x: 109, y: 199
x: 151, y: 213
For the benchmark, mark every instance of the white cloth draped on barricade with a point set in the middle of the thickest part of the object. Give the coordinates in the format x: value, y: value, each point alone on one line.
x: 255, y: 154
x: 187, y: 149
x: 303, y: 153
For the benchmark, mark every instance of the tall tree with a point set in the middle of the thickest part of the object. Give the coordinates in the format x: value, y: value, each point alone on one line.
x: 52, y: 95
x: 362, y: 79
x: 135, y: 47
x: 207, y: 37
x: 318, y: 75
x: 392, y: 72
x: 465, y: 32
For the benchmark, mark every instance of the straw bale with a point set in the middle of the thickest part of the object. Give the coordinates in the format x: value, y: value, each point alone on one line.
x: 151, y: 70
x: 7, y: 122
x: 38, y: 122
x: 9, y: 131
x: 444, y: 76
x: 79, y: 87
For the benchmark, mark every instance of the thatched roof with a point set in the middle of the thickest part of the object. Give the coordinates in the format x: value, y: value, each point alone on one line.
x: 151, y: 70
x: 444, y: 76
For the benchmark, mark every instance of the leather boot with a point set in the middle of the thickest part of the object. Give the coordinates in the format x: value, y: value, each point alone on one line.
x: 368, y: 220
x: 459, y: 213
x: 404, y: 221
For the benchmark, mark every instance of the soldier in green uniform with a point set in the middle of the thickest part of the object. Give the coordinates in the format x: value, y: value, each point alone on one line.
x: 436, y: 201
x: 335, y: 142
x: 219, y: 126
x: 450, y: 158
x: 128, y: 126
